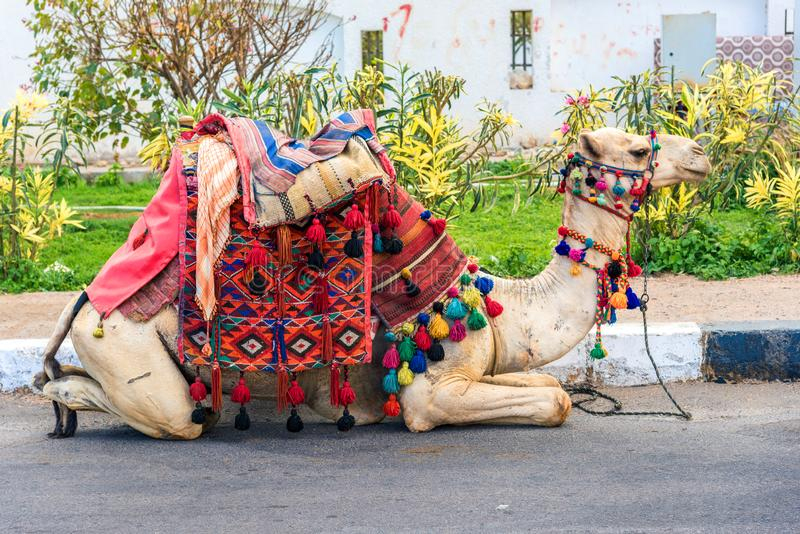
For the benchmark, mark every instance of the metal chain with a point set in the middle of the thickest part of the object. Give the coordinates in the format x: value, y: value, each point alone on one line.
x: 643, y: 299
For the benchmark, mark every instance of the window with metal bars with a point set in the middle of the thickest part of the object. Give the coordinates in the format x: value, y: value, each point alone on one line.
x: 372, y: 49
x: 521, y: 41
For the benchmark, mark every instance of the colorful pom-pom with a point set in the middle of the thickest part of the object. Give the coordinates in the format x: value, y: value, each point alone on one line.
x: 418, y: 364
x: 633, y: 300
x: 598, y: 352
x: 425, y: 215
x: 436, y: 352
x: 563, y: 248
x: 465, y: 279
x: 391, y: 358
x: 471, y: 297
x: 422, y: 339
x: 476, y: 320
x: 455, y: 310
x: 472, y: 267
x: 406, y: 349
x: 618, y: 300
x: 458, y: 332
x: 452, y: 292
x: 407, y: 329
x: 484, y: 284
x: 354, y: 219
x: 493, y: 308
x: 423, y: 318
x: 390, y: 382
x: 391, y: 408
x: 404, y: 376
x: 316, y: 232
x: 576, y: 254
x: 391, y: 219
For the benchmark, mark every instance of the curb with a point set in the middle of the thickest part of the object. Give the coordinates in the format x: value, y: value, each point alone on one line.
x: 758, y: 350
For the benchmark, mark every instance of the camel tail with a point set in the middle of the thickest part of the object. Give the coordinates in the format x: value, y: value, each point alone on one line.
x: 52, y: 369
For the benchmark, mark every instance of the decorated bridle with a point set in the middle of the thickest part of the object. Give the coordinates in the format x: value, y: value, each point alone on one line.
x: 613, y: 288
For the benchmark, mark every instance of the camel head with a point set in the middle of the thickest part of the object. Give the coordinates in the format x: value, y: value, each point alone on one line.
x: 679, y: 160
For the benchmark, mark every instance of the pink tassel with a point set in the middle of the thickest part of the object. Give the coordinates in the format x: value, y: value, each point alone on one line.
x: 295, y: 394
x: 316, y: 232
x: 391, y: 359
x: 458, y: 332
x: 438, y: 225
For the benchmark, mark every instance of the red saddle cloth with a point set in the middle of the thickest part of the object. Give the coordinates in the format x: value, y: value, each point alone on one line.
x: 282, y: 327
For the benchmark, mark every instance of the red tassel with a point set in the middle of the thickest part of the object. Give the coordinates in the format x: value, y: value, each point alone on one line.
x: 346, y: 394
x: 391, y: 359
x: 327, y: 341
x: 422, y: 339
x: 562, y: 186
x: 321, y: 299
x: 316, y: 232
x: 438, y: 225
x: 198, y: 390
x: 284, y: 244
x: 256, y: 256
x: 493, y: 308
x: 334, y: 384
x: 241, y: 393
x: 391, y: 407
x: 283, y: 388
x: 633, y: 269
x: 216, y: 387
x: 295, y: 394
x: 392, y: 219
x: 354, y: 220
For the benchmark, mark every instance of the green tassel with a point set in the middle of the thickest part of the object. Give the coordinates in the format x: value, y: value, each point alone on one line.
x: 466, y: 279
x: 455, y: 310
x: 406, y: 349
x: 476, y: 320
x: 598, y: 352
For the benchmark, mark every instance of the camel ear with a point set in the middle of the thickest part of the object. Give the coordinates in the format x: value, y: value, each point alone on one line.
x: 590, y: 144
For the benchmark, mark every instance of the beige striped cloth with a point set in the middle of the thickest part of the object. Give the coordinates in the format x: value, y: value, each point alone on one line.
x: 217, y: 179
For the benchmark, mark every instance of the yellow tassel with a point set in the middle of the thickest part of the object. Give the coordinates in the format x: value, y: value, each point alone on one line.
x: 406, y: 273
x: 575, y: 270
x: 471, y: 297
x: 407, y: 329
x: 438, y: 328
x: 405, y: 376
x: 98, y: 331
x: 619, y: 300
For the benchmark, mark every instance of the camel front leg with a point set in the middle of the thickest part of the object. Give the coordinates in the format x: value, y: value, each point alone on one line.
x: 522, y: 380
x: 457, y: 400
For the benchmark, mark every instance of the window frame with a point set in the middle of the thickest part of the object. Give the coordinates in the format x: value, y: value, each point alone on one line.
x: 522, y: 42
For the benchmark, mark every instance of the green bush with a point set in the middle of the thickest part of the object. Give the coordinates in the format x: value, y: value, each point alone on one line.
x: 111, y: 178
x: 28, y: 275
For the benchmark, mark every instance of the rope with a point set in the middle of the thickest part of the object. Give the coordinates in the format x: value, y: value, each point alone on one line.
x: 593, y: 394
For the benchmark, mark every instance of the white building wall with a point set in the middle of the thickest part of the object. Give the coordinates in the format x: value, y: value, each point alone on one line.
x: 575, y: 43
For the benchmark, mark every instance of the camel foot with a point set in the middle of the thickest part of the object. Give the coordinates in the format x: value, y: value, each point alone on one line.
x: 66, y: 422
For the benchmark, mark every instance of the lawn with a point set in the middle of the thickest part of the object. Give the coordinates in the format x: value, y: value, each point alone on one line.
x: 510, y: 245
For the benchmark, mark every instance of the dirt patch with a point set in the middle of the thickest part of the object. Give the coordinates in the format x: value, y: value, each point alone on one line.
x: 672, y: 298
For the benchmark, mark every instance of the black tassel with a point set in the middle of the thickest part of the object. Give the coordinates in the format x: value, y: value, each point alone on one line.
x: 412, y: 289
x: 294, y: 423
x: 258, y: 284
x: 346, y: 421
x: 316, y: 259
x: 393, y: 245
x: 354, y: 247
x: 436, y: 352
x: 242, y: 420
x: 614, y: 269
x: 198, y: 414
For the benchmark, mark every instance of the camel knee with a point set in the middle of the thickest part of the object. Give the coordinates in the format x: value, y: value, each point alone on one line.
x: 562, y: 406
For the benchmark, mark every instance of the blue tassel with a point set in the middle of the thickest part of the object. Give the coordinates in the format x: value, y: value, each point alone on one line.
x: 613, y: 318
x: 633, y: 300
x: 377, y: 243
x: 484, y: 285
x: 390, y: 383
x: 418, y: 364
x: 456, y: 310
x: 423, y: 319
x: 389, y: 336
x: 425, y: 215
x: 562, y: 249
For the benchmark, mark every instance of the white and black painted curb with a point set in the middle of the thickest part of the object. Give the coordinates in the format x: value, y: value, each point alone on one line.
x: 758, y: 350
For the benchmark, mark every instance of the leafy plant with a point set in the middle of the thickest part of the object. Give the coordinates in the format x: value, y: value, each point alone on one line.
x: 111, y: 178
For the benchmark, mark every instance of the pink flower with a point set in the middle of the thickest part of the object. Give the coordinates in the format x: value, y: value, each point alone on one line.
x: 564, y: 128
x: 583, y: 101
x: 570, y: 101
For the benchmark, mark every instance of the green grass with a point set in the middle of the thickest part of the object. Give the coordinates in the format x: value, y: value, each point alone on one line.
x: 508, y: 245
x: 138, y: 194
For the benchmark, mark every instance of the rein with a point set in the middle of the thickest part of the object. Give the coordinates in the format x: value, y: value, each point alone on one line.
x: 613, y: 289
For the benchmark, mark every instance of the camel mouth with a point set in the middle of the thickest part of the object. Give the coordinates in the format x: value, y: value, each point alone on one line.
x: 697, y: 166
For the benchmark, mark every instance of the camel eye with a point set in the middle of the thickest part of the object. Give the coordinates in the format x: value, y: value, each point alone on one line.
x: 641, y: 152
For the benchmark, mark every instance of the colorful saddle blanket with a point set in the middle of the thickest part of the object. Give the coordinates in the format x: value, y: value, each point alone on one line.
x: 278, y: 323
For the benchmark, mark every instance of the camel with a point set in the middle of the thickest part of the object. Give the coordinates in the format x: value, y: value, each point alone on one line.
x: 134, y: 373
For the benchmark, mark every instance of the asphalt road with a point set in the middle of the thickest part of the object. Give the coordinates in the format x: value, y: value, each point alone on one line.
x: 733, y: 468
